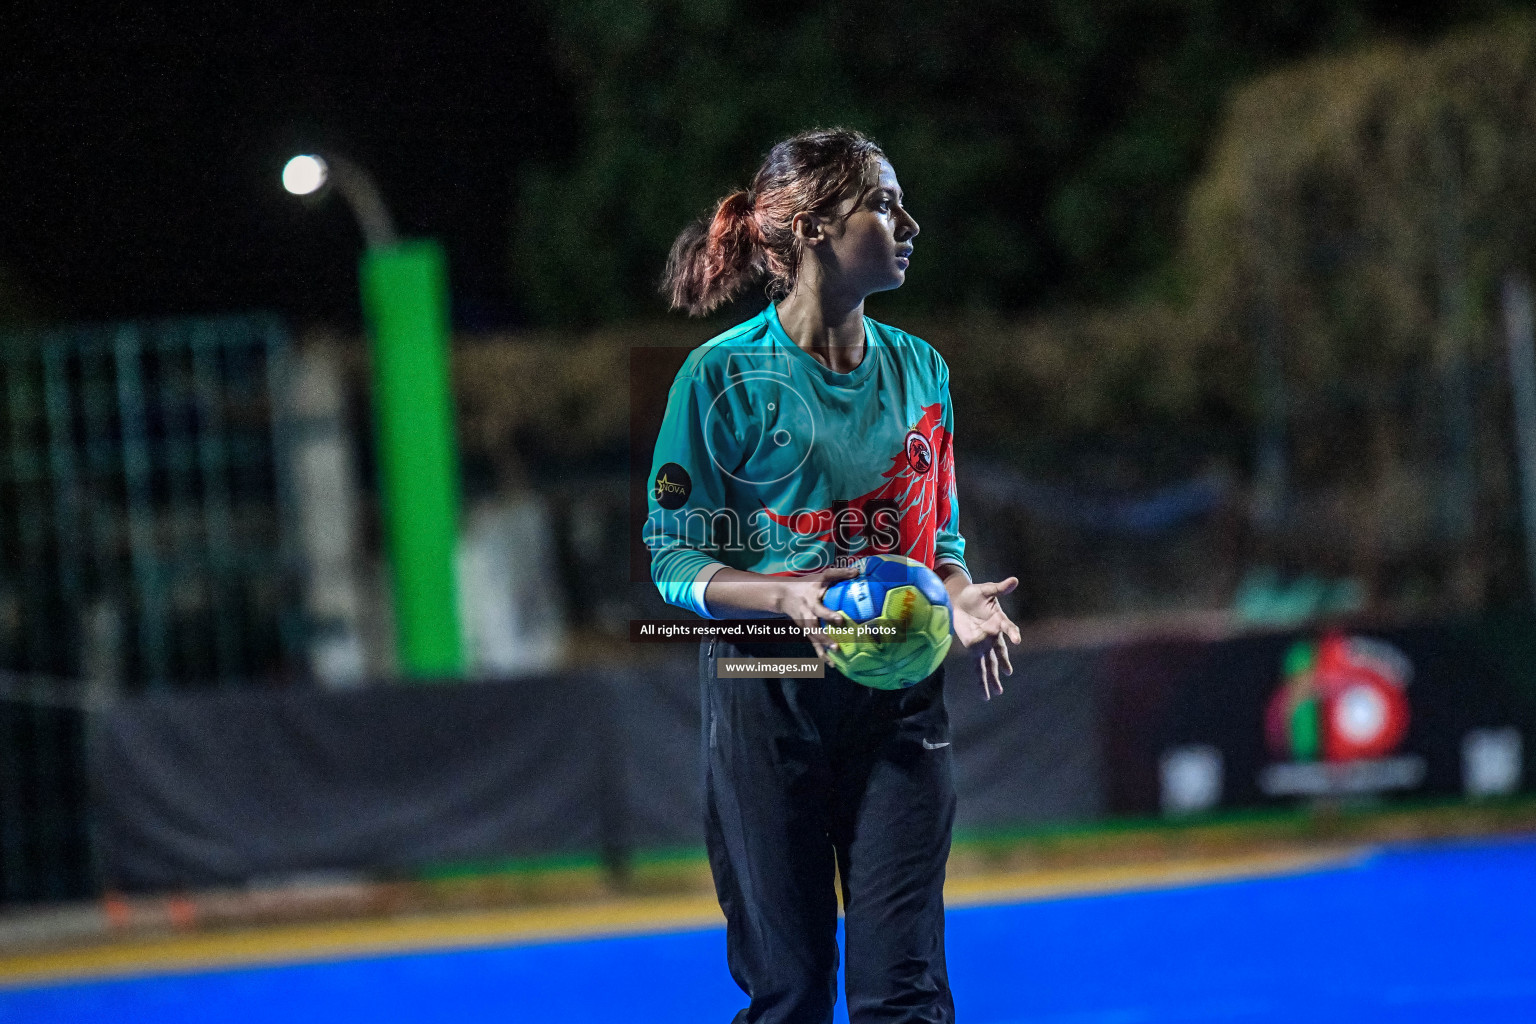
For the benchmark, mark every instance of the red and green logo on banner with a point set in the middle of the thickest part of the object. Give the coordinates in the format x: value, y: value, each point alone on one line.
x: 1343, y: 699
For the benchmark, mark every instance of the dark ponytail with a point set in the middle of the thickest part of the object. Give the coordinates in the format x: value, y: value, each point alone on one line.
x: 710, y: 263
x: 749, y: 235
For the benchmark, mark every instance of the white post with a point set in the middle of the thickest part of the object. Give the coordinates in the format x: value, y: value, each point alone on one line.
x: 1522, y: 380
x: 326, y: 486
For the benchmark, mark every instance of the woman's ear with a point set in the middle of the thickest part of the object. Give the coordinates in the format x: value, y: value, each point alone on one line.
x: 808, y: 228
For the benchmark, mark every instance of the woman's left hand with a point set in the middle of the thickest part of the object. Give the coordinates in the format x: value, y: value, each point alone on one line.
x: 985, y: 629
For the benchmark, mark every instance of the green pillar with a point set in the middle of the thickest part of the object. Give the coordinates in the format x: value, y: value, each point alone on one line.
x: 405, y: 289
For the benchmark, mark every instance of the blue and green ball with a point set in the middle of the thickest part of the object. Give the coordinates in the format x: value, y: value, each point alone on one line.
x: 901, y: 593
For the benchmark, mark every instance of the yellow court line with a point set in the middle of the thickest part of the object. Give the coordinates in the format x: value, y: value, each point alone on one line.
x: 287, y: 944
x: 342, y: 940
x: 1025, y: 886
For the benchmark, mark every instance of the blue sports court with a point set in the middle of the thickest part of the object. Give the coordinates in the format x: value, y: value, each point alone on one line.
x: 1438, y: 934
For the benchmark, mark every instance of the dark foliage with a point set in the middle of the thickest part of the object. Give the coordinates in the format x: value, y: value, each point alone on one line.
x: 1046, y: 147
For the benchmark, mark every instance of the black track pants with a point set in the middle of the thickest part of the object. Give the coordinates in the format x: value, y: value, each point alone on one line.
x: 798, y: 772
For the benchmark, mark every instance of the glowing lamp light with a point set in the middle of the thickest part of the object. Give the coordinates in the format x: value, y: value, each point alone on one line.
x: 304, y: 174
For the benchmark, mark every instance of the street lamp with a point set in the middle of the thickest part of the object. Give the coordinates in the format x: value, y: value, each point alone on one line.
x: 308, y: 173
x: 405, y: 302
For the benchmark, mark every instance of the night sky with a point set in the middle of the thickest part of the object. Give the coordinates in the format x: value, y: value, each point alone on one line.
x: 143, y: 150
x: 143, y: 144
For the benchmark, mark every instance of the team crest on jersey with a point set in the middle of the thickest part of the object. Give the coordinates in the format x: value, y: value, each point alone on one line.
x: 919, y: 454
x: 672, y: 486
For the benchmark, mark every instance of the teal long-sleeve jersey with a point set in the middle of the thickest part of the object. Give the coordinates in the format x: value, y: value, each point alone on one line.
x: 769, y: 461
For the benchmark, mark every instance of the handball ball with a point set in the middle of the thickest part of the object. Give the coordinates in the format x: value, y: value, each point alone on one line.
x: 897, y: 592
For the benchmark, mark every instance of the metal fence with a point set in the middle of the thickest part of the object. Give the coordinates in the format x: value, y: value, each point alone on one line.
x: 144, y: 544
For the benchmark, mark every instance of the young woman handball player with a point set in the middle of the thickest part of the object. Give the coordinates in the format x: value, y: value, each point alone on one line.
x: 792, y: 445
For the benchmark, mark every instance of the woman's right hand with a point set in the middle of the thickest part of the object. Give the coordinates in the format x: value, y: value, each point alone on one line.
x: 800, y: 599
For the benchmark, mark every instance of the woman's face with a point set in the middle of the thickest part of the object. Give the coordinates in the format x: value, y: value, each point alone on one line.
x: 868, y: 243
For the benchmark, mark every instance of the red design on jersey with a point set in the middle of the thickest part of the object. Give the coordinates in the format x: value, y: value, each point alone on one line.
x: 903, y: 514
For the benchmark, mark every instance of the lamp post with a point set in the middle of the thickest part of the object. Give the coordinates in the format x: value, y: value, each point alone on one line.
x: 404, y: 287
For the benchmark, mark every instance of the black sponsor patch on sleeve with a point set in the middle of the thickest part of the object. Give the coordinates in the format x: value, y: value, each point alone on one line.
x: 672, y: 486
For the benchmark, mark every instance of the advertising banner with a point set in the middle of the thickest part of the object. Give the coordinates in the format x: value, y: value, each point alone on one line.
x: 1332, y: 714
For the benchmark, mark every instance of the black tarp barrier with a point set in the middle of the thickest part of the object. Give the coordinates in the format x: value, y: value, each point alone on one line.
x: 656, y: 719
x: 215, y: 788
x: 223, y: 787
x: 45, y: 852
x: 211, y: 788
x: 1030, y: 757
